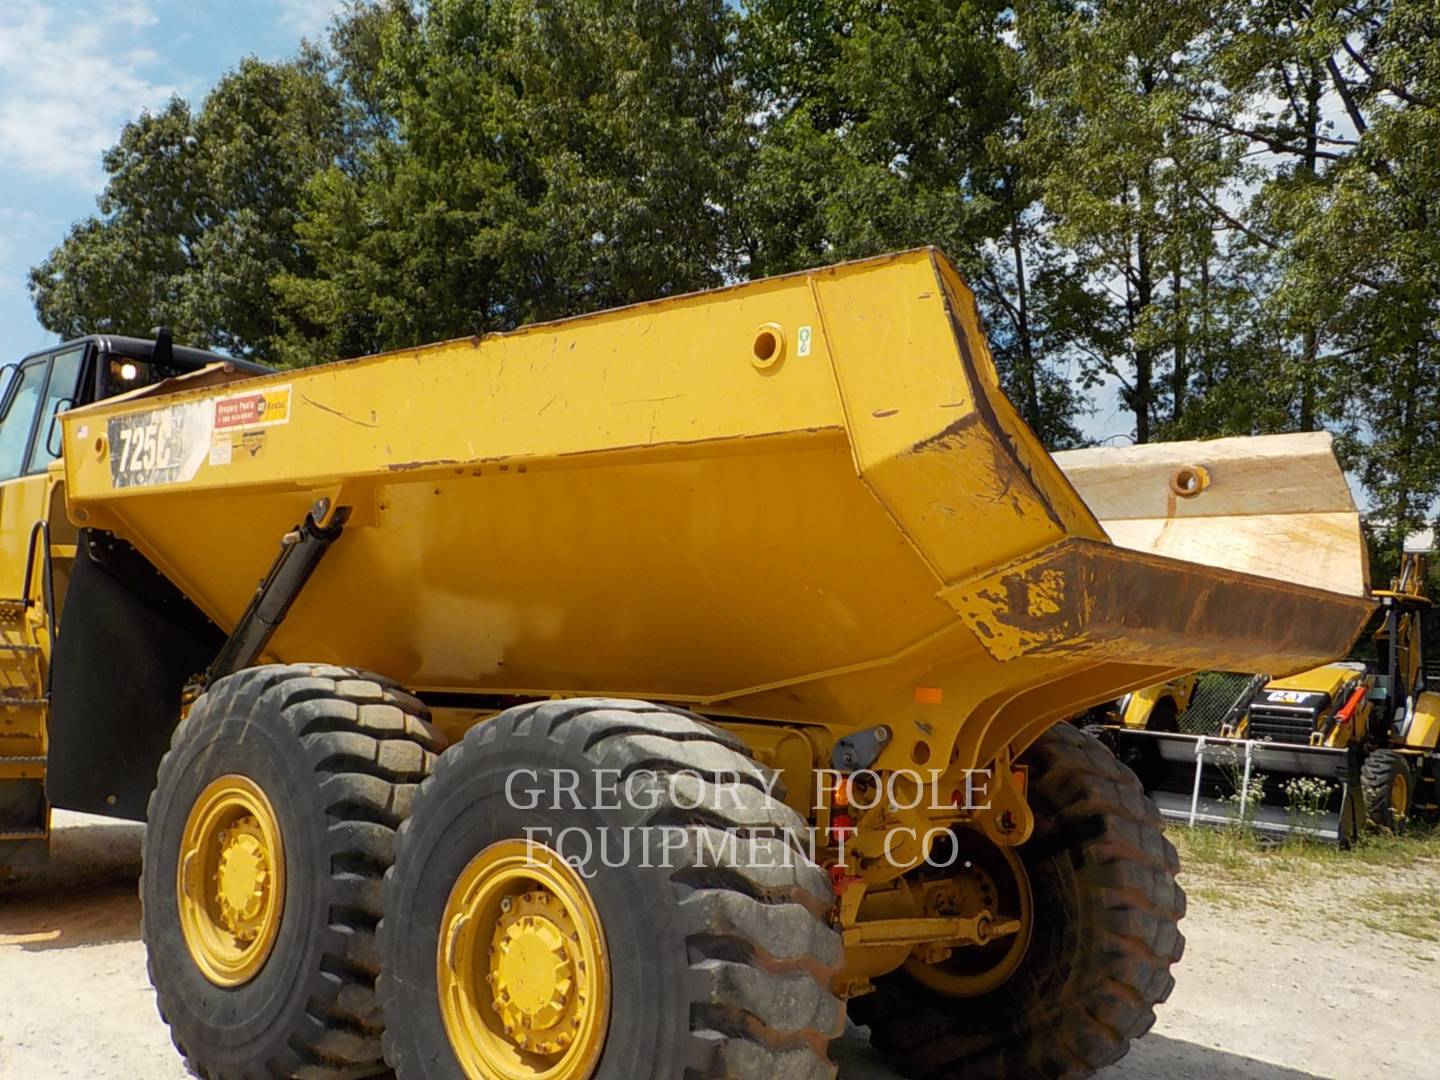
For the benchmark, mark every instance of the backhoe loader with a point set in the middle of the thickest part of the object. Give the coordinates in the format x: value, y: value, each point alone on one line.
x: 631, y: 695
x: 1323, y: 751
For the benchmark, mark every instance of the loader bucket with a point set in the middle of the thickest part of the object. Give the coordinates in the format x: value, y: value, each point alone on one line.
x: 1240, y: 783
x: 803, y: 499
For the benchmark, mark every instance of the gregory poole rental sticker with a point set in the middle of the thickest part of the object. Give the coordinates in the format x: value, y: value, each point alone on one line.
x: 259, y: 408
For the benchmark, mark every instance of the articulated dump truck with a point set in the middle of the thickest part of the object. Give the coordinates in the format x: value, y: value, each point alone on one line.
x: 632, y: 695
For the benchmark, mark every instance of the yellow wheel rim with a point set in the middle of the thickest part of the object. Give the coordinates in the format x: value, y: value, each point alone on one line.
x: 990, y: 878
x: 231, y: 880
x: 522, y: 970
x: 1399, y: 795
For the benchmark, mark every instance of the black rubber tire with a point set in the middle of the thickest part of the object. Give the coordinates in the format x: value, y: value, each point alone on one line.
x: 1377, y: 774
x: 1164, y: 716
x: 339, y: 753
x: 1105, y: 933
x: 719, y: 968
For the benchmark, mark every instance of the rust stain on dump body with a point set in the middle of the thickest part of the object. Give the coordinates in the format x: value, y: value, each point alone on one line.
x: 1080, y: 596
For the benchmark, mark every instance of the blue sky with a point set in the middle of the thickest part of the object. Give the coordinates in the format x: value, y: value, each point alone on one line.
x: 72, y: 72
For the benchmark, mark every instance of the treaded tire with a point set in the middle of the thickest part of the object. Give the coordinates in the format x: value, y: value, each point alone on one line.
x: 1377, y: 775
x: 339, y: 753
x: 1105, y: 933
x: 1164, y: 716
x: 719, y: 967
x: 1140, y: 753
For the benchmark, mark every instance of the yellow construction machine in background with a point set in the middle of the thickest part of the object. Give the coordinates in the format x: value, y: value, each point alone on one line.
x: 628, y: 696
x: 1153, y: 708
x: 1323, y: 751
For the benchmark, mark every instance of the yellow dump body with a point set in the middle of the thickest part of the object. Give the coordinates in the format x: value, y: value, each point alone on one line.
x: 801, y: 499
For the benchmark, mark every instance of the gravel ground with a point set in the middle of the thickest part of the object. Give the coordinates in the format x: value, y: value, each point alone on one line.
x: 1259, y: 997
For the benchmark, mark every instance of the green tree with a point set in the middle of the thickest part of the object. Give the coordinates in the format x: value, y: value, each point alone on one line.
x: 198, y: 214
x: 897, y: 125
x: 1129, y: 182
x: 877, y: 117
x: 524, y: 160
x: 1345, y: 99
x: 123, y: 270
x: 1045, y: 322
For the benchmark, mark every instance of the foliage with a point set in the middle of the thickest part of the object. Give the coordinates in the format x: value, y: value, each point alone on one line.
x: 534, y: 160
x: 200, y: 214
x: 1346, y: 98
x: 1226, y: 210
x: 1307, y: 798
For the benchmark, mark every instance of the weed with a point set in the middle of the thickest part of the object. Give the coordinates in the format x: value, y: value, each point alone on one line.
x: 1412, y: 913
x: 1307, y: 798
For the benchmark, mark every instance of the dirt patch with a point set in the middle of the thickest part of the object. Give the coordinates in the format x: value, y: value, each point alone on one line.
x: 1269, y: 989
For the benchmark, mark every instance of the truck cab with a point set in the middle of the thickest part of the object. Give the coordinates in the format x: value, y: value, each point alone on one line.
x: 41, y: 386
x: 37, y: 542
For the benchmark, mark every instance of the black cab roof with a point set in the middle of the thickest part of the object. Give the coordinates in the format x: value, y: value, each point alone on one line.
x: 144, y: 349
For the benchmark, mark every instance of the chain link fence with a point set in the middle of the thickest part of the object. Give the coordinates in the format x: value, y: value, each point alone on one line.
x: 1216, y: 693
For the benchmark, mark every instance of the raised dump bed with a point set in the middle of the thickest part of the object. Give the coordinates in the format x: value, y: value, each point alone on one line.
x: 801, y: 507
x: 794, y: 498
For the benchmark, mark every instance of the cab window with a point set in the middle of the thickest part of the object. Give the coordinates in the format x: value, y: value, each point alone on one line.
x: 20, y: 410
x: 121, y: 374
x: 61, y: 394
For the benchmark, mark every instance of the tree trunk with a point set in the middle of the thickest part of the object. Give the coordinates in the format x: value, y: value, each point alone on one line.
x: 1309, y: 351
x: 1144, y: 289
x: 1310, y: 339
x: 1029, y: 377
x: 1144, y: 296
x: 1180, y: 372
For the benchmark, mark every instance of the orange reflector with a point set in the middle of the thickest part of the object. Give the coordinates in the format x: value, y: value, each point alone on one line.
x: 928, y: 695
x: 841, y: 797
x: 1021, y: 775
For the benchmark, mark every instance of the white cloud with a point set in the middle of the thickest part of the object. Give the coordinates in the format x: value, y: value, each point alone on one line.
x: 136, y: 13
x: 21, y: 230
x: 17, y: 227
x: 309, y: 18
x: 68, y: 83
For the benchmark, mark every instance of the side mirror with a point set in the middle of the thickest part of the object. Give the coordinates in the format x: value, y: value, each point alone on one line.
x: 7, y: 379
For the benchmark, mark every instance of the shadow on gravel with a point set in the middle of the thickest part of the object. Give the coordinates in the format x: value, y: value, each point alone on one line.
x: 1152, y: 1057
x: 1158, y: 1055
x: 86, y: 894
